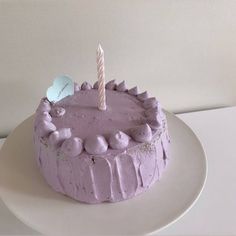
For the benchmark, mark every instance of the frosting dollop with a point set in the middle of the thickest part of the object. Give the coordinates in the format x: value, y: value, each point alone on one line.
x: 118, y: 140
x: 151, y: 111
x: 57, y: 137
x: 111, y: 85
x: 44, y: 105
x: 150, y: 103
x: 44, y: 128
x: 44, y: 116
x: 57, y: 111
x: 133, y: 91
x: 142, y: 96
x: 142, y: 133
x: 121, y: 87
x: 95, y: 86
x: 72, y: 146
x: 76, y: 87
x: 96, y: 144
x: 86, y: 86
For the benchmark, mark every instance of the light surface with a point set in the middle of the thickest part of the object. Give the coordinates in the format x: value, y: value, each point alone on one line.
x: 25, y: 192
x: 214, y: 212
x: 181, y: 51
x: 9, y: 224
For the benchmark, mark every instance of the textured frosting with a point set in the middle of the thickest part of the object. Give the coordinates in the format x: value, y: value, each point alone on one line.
x: 96, y: 144
x: 111, y: 85
x: 142, y: 96
x: 118, y: 140
x: 142, y: 133
x: 121, y: 87
x: 57, y: 111
x: 72, y: 147
x: 133, y: 91
x: 95, y: 156
x: 86, y: 86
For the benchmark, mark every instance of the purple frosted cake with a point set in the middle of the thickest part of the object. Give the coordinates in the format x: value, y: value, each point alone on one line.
x: 97, y: 156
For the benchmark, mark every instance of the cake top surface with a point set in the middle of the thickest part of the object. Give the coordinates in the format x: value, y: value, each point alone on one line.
x: 75, y: 123
x: 123, y: 112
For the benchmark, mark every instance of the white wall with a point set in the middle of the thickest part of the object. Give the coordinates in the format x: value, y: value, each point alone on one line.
x: 182, y: 51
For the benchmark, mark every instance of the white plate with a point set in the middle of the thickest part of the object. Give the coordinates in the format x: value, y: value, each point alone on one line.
x: 28, y: 196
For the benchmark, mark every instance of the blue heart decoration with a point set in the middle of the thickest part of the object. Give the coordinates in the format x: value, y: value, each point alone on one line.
x: 63, y: 86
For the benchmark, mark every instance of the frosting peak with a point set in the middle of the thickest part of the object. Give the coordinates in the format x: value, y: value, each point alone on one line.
x: 95, y: 86
x: 86, y: 86
x: 45, y: 128
x: 118, y: 140
x: 133, y: 91
x: 72, y: 147
x: 142, y: 133
x: 44, y: 105
x: 96, y: 144
x: 121, y: 87
x: 76, y: 87
x: 142, y: 96
x: 150, y: 103
x: 57, y: 137
x: 111, y: 85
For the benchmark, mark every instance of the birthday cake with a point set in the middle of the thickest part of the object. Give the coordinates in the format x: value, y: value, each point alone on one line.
x: 101, y: 155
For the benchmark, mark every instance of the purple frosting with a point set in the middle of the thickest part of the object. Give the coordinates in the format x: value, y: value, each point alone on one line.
x: 142, y: 133
x: 118, y: 140
x: 142, y: 96
x: 95, y: 86
x: 133, y: 91
x: 96, y: 144
x: 121, y: 87
x: 72, y: 147
x: 57, y: 111
x: 44, y: 105
x: 44, y: 128
x: 86, y: 86
x: 108, y: 166
x: 57, y: 137
x: 150, y: 103
x: 151, y: 111
x: 76, y: 87
x: 111, y: 85
x: 44, y: 116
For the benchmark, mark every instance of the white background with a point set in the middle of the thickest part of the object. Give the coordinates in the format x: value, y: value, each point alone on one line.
x: 182, y: 51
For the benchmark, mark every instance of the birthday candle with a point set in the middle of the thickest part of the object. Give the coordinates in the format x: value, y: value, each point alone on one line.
x: 101, y: 79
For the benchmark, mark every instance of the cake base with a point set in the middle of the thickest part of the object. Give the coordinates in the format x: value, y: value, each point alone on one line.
x: 29, y: 197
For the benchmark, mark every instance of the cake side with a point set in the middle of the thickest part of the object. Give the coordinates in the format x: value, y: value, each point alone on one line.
x: 113, y: 162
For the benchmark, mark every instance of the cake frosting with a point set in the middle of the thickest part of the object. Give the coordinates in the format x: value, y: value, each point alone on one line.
x: 99, y: 156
